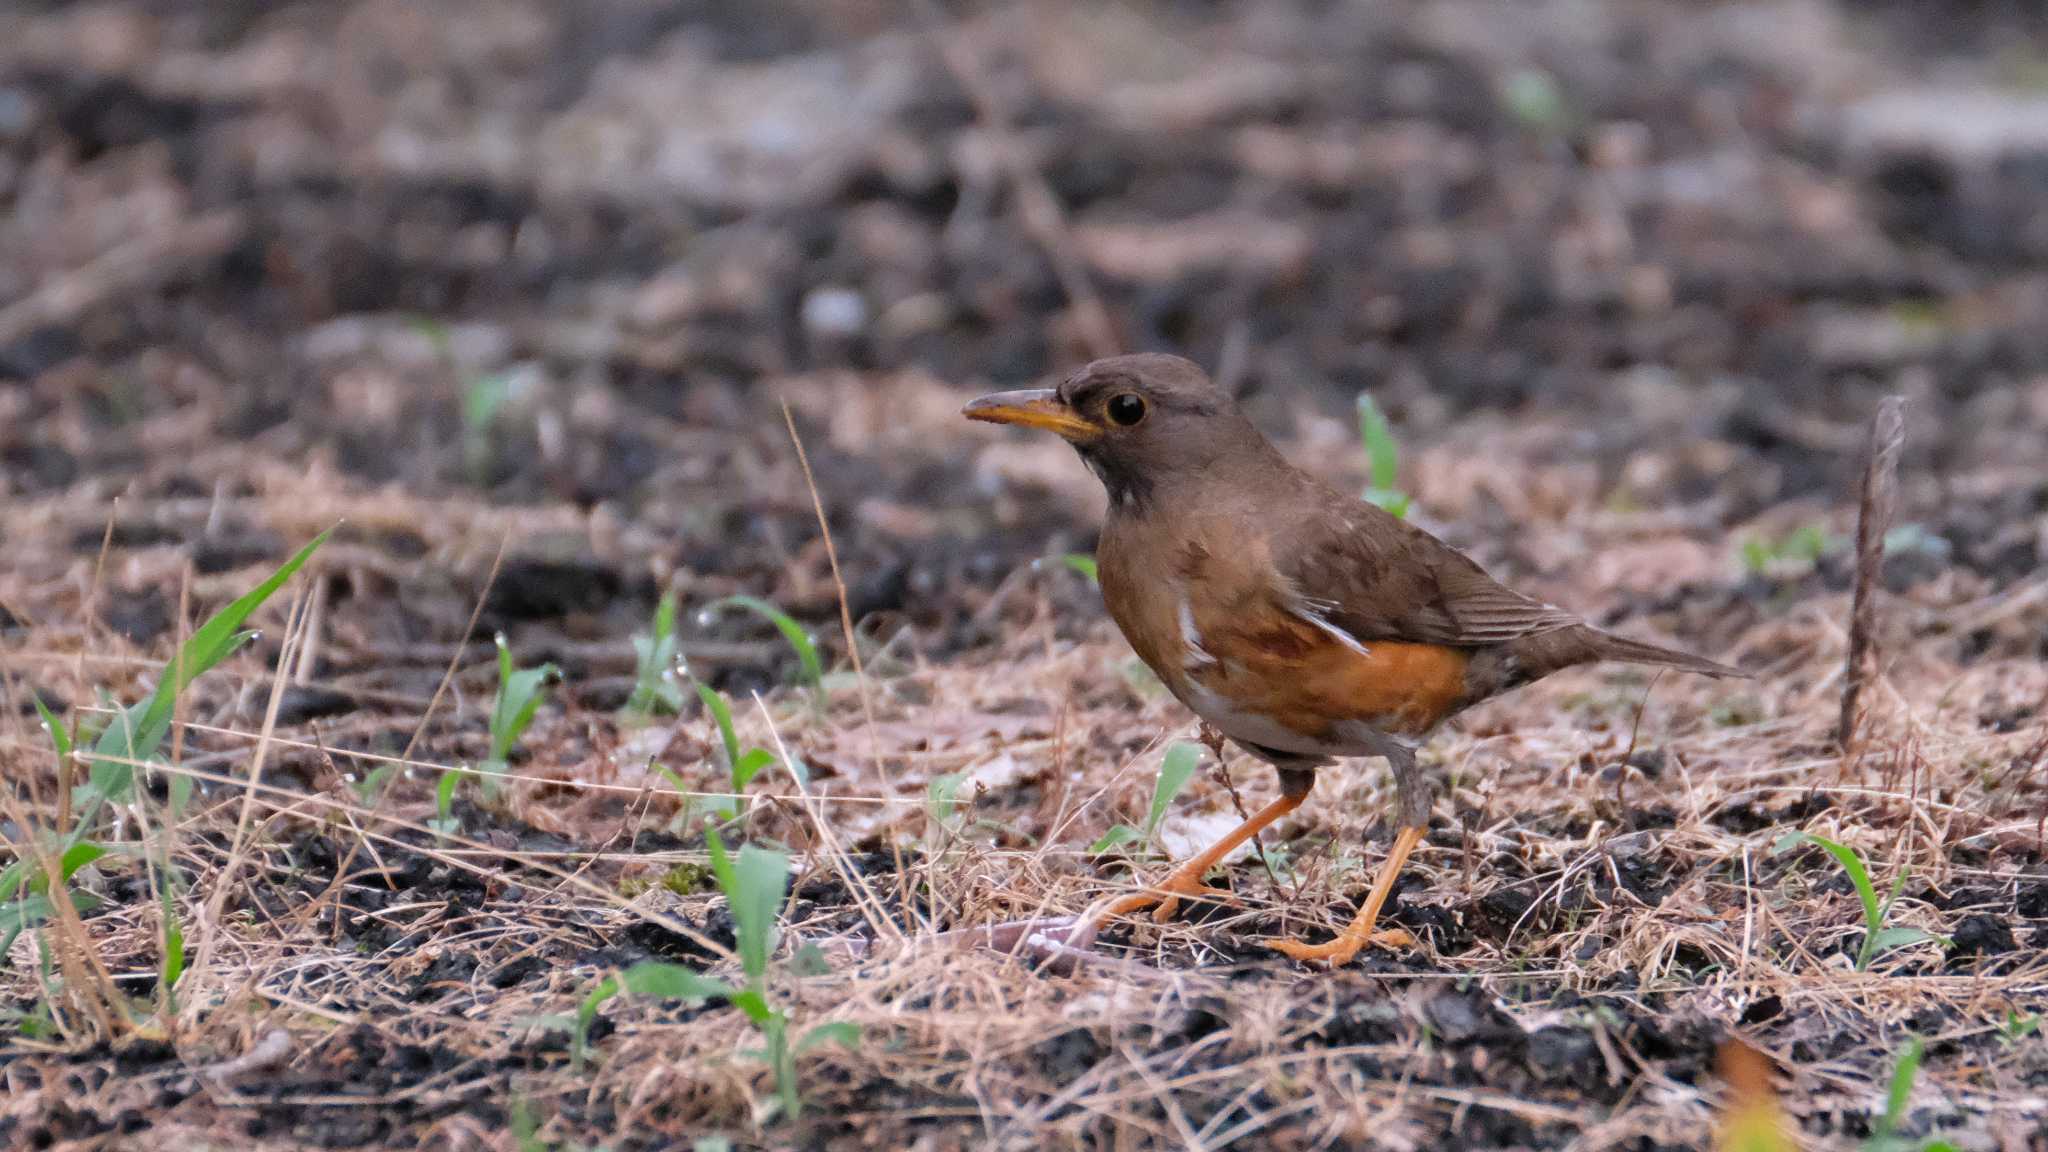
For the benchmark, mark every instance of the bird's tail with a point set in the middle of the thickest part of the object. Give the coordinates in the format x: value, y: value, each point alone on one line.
x: 1546, y: 652
x: 1608, y: 646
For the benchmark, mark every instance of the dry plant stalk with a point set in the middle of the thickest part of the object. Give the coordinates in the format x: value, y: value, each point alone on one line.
x: 1873, y: 520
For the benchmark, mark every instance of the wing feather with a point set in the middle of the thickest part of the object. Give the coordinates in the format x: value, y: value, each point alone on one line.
x: 1374, y: 576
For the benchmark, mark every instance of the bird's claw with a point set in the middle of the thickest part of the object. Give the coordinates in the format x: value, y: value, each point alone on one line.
x: 1165, y: 899
x: 1340, y: 951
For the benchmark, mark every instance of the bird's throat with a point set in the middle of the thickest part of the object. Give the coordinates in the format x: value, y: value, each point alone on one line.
x: 1130, y: 490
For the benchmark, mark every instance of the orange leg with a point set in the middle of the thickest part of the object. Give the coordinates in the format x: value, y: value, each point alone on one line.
x: 1186, y: 880
x: 1359, y: 933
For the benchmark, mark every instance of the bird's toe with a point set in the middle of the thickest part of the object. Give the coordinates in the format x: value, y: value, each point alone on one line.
x: 1340, y: 951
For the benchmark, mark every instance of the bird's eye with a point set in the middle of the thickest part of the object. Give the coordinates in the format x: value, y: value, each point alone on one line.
x: 1126, y: 409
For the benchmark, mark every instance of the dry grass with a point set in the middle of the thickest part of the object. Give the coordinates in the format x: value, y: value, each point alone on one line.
x: 1592, y: 922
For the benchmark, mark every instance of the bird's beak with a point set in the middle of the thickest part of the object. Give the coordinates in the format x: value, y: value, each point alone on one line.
x: 1032, y: 408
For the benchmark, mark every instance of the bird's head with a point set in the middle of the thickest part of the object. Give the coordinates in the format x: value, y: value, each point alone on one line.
x: 1139, y: 421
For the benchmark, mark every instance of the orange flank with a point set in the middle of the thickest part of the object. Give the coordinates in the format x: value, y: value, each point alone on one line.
x: 1307, y: 678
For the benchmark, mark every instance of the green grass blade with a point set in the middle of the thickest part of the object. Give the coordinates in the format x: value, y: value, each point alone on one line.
x: 844, y: 1033
x: 1084, y: 564
x: 444, y: 801
x: 78, y: 856
x: 1174, y: 773
x: 665, y: 618
x: 173, y: 964
x: 799, y: 639
x: 721, y: 714
x: 139, y: 731
x: 1117, y: 836
x: 753, y: 1004
x: 586, y: 1015
x: 671, y: 982
x: 1899, y: 1094
x: 1886, y: 939
x: 942, y: 798
x: 520, y: 693
x: 762, y: 876
x: 654, y: 687
x: 1383, y: 457
x: 1381, y: 450
x: 1859, y: 875
x: 721, y: 863
x: 749, y: 766
x: 1884, y: 911
x: 35, y: 907
x: 58, y: 736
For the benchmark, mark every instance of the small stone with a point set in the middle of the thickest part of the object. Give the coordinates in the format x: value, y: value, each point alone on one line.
x: 1556, y: 1053
x: 834, y: 313
x: 1454, y: 1018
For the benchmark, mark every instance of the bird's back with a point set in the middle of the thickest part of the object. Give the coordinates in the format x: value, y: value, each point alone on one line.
x: 1289, y: 615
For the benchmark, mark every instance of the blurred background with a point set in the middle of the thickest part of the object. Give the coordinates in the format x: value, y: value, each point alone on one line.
x: 1625, y: 278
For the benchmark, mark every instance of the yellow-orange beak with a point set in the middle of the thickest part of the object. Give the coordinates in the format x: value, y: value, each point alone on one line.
x: 1032, y: 408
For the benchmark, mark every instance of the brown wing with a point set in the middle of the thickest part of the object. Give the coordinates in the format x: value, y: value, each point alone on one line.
x: 1378, y: 577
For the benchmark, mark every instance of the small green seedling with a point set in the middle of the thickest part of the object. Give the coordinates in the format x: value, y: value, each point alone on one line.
x: 942, y: 801
x: 1084, y: 564
x: 1383, y: 455
x: 172, y: 964
x: 652, y: 979
x: 1794, y: 553
x: 485, y: 397
x: 1533, y: 98
x: 1877, y: 938
x: 799, y: 640
x: 135, y: 733
x: 132, y: 736
x: 754, y: 881
x: 34, y: 905
x: 2018, y: 1027
x: 520, y: 693
x: 371, y: 786
x: 444, y: 821
x: 655, y: 691
x: 741, y: 764
x: 1884, y: 1130
x: 525, y: 1129
x: 1175, y: 771
x: 754, y: 884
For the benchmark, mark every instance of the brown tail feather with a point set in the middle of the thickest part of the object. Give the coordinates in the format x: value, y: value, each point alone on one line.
x: 1607, y: 646
x: 1540, y: 655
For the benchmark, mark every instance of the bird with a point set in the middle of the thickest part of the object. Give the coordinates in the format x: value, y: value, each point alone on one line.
x: 1305, y: 625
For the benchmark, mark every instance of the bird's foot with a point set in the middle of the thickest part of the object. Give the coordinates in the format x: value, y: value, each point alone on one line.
x: 1340, y: 951
x: 1165, y: 899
